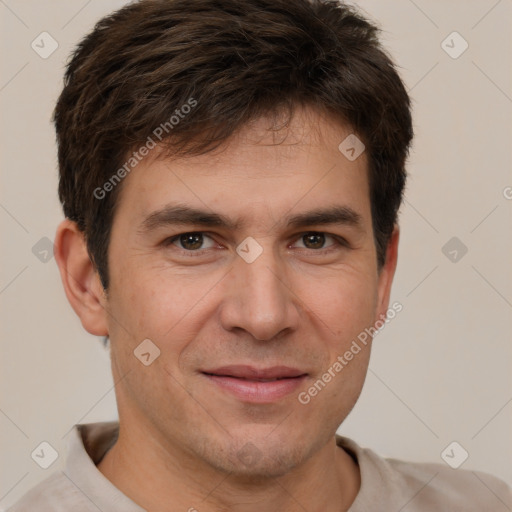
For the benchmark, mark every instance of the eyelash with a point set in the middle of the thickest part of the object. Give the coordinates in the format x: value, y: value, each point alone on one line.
x: 339, y: 241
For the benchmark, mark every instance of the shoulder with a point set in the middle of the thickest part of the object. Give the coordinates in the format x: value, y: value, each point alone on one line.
x: 54, y: 494
x: 432, y: 485
x: 420, y: 487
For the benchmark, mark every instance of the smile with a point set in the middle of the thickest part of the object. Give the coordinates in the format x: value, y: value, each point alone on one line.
x: 249, y: 384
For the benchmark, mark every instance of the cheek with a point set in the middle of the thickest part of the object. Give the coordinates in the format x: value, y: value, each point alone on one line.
x: 344, y: 303
x: 153, y: 302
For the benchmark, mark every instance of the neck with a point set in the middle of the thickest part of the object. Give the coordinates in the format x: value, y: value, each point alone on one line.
x: 160, y: 477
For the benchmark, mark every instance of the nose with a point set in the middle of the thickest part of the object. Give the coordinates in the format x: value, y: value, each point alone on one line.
x: 259, y: 298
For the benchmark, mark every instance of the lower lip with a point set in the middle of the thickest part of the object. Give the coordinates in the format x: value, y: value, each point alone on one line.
x: 256, y: 391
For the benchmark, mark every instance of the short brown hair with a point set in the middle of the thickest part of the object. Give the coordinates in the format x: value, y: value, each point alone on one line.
x: 238, y: 60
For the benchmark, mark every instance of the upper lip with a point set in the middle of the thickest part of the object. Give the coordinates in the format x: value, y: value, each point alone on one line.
x: 250, y: 372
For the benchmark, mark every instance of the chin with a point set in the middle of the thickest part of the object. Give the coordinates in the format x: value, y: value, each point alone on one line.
x: 256, y: 460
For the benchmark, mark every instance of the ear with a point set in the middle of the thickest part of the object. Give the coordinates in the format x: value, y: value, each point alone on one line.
x: 81, y: 281
x: 386, y: 274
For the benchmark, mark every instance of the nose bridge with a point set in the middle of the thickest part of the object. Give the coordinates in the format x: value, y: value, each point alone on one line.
x: 264, y: 281
x: 260, y: 300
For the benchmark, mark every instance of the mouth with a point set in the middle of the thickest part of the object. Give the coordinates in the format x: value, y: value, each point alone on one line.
x: 249, y: 384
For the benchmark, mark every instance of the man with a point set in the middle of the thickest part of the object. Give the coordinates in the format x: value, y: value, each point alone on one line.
x: 231, y: 173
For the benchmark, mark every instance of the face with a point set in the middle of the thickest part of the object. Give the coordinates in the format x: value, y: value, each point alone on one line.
x: 258, y: 288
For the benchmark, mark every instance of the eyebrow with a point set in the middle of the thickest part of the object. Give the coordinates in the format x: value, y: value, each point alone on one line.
x: 171, y: 215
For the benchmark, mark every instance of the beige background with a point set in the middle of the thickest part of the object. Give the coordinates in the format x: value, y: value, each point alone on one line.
x: 440, y: 371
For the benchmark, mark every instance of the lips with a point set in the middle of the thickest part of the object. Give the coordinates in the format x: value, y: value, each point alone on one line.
x: 251, y: 373
x: 260, y: 385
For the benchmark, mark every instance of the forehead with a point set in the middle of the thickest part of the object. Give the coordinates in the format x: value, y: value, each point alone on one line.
x: 264, y: 169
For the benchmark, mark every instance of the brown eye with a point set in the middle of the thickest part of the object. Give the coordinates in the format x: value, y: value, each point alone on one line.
x: 190, y: 241
x: 314, y: 240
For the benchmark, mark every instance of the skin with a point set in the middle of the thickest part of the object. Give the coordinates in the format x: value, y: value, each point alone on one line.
x: 297, y: 305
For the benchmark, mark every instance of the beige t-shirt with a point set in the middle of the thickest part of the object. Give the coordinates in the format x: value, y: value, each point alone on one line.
x: 387, y: 485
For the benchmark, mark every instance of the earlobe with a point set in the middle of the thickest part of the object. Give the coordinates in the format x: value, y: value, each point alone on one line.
x: 387, y: 273
x: 80, y: 279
